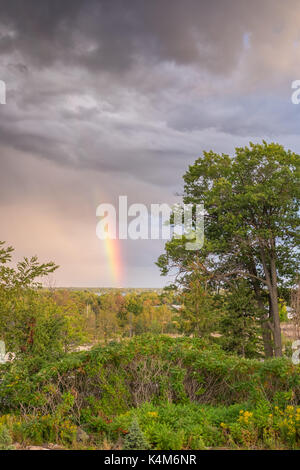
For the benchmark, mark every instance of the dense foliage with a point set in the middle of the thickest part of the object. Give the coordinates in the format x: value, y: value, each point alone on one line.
x: 251, y: 223
x: 184, y: 392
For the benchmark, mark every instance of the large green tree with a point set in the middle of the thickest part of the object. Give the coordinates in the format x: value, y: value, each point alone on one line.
x: 251, y: 202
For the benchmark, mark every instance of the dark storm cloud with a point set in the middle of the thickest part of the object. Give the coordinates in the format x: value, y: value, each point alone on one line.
x: 111, y: 34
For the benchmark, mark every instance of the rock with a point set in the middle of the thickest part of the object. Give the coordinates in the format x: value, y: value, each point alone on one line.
x: 36, y: 448
x: 81, y: 435
x: 54, y: 447
x: 17, y: 445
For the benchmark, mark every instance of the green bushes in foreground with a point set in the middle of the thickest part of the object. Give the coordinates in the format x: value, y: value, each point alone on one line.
x: 184, y: 393
x: 119, y: 376
x: 168, y: 426
x: 192, y: 426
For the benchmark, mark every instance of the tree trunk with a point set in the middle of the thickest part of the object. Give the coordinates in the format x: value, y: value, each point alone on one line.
x: 271, y: 280
x: 267, y: 339
x: 265, y: 328
x: 276, y: 322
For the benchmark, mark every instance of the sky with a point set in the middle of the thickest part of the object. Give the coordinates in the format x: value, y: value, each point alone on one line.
x: 108, y: 98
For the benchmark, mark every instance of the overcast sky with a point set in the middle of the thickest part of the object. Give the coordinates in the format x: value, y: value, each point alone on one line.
x: 109, y: 98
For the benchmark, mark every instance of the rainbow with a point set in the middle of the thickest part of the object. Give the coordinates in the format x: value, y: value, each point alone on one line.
x: 112, y: 249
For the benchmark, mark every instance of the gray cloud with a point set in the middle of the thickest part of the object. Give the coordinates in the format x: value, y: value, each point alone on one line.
x: 112, y: 36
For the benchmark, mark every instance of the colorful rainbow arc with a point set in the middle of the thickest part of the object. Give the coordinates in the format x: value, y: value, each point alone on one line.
x: 112, y: 249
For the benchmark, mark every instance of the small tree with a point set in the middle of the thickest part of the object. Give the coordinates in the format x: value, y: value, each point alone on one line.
x: 198, y: 315
x: 135, y: 439
x: 29, y: 322
x: 239, y: 324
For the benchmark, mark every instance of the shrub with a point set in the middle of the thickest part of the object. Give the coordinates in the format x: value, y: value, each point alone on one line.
x: 185, y: 393
x: 135, y: 439
x: 5, y: 439
x: 144, y: 369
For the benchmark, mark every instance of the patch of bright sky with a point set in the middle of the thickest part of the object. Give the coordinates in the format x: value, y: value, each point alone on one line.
x: 246, y: 40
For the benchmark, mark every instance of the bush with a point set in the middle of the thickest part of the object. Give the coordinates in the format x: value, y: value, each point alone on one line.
x: 5, y: 439
x: 184, y: 392
x: 120, y: 376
